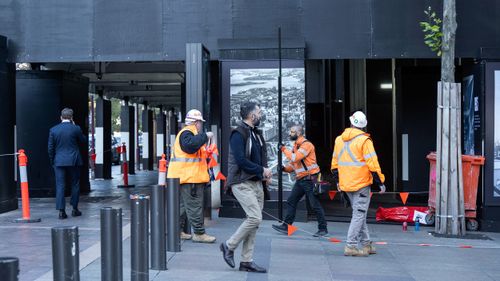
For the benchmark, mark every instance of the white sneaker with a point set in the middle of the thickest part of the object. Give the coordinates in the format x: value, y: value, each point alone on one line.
x: 185, y: 236
x: 203, y: 238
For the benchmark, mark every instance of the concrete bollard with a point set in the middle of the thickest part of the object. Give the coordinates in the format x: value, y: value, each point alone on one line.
x: 139, y: 240
x: 65, y: 253
x: 111, y: 244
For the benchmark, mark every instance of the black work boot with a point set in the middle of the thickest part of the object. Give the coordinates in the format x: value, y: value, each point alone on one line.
x: 62, y: 214
x: 321, y: 233
x: 76, y: 213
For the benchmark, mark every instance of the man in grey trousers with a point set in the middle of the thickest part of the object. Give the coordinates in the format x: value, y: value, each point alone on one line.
x: 246, y: 173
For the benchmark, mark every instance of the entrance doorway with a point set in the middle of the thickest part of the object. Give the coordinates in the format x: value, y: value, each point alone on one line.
x: 350, y: 85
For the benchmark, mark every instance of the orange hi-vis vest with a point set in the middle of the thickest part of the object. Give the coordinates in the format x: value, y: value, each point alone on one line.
x: 303, y: 154
x: 355, y: 158
x: 189, y: 168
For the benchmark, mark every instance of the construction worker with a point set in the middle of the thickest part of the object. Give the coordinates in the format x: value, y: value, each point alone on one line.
x: 188, y: 162
x: 303, y: 163
x: 355, y: 168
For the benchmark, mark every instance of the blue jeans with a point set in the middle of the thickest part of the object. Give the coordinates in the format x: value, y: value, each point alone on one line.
x: 301, y: 188
x: 61, y: 172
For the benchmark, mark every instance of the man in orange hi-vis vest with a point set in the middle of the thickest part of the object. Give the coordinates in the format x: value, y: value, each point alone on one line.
x: 303, y: 162
x: 355, y: 168
x: 188, y: 162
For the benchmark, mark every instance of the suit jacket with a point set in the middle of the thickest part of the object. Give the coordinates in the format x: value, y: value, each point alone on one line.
x: 64, y: 141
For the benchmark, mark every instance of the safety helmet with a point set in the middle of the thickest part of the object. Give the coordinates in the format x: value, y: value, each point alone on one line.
x: 358, y: 120
x: 194, y: 115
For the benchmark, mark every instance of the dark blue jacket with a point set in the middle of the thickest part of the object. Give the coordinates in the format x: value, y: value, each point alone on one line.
x: 247, y: 155
x: 64, y: 142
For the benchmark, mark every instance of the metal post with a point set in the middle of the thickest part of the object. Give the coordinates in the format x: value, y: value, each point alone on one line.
x: 9, y: 268
x: 173, y: 211
x: 158, y: 248
x: 139, y: 241
x: 280, y: 132
x: 65, y: 253
x: 111, y: 244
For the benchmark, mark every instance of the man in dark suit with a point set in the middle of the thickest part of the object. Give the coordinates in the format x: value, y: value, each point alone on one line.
x: 64, y: 154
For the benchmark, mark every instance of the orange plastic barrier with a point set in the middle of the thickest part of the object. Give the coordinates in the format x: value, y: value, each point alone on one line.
x: 162, y: 171
x: 25, y: 197
x: 123, y: 151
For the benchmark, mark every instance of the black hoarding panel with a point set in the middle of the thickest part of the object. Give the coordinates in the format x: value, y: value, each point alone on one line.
x: 10, y: 26
x: 128, y: 29
x: 478, y: 26
x: 195, y: 22
x: 337, y: 29
x: 262, y: 18
x: 57, y: 30
x: 40, y: 96
x: 396, y: 29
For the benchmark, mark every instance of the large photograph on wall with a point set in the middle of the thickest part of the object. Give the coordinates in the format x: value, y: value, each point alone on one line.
x: 496, y: 150
x: 258, y: 81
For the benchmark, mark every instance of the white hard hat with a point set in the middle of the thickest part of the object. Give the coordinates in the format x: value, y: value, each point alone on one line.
x: 194, y: 115
x: 358, y: 120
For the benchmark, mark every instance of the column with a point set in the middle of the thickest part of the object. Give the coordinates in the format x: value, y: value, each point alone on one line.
x: 160, y: 133
x: 8, y: 198
x: 103, y: 138
x: 127, y: 117
x: 147, y: 139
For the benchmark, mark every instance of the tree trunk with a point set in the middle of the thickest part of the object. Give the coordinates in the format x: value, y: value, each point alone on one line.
x: 448, y: 41
x: 450, y: 218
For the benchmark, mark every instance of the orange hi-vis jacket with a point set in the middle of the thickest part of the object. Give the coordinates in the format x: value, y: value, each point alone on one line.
x: 355, y: 158
x: 189, y: 168
x: 303, y: 151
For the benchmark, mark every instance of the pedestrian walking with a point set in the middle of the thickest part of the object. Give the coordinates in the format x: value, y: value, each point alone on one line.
x: 65, y: 140
x: 302, y: 161
x: 188, y: 163
x: 355, y: 168
x: 247, y: 171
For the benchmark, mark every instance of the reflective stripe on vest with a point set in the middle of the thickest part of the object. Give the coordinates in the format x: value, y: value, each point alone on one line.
x: 183, y: 159
x: 191, y: 160
x: 355, y: 162
x: 370, y: 155
x: 300, y: 170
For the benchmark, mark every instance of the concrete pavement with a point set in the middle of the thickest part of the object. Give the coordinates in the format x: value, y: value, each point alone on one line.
x: 401, y: 255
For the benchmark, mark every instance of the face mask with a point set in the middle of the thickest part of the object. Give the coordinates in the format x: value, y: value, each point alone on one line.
x: 294, y: 137
x: 256, y: 122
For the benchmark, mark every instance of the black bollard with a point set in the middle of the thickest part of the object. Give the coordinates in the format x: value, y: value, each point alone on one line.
x: 139, y: 240
x: 65, y: 253
x: 173, y: 211
x: 9, y: 268
x: 158, y: 247
x: 111, y: 244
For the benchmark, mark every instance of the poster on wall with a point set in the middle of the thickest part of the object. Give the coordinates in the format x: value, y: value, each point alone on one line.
x: 496, y: 150
x: 260, y: 84
x: 468, y: 114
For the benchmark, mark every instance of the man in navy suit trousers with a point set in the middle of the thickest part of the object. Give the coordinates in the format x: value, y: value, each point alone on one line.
x: 64, y: 154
